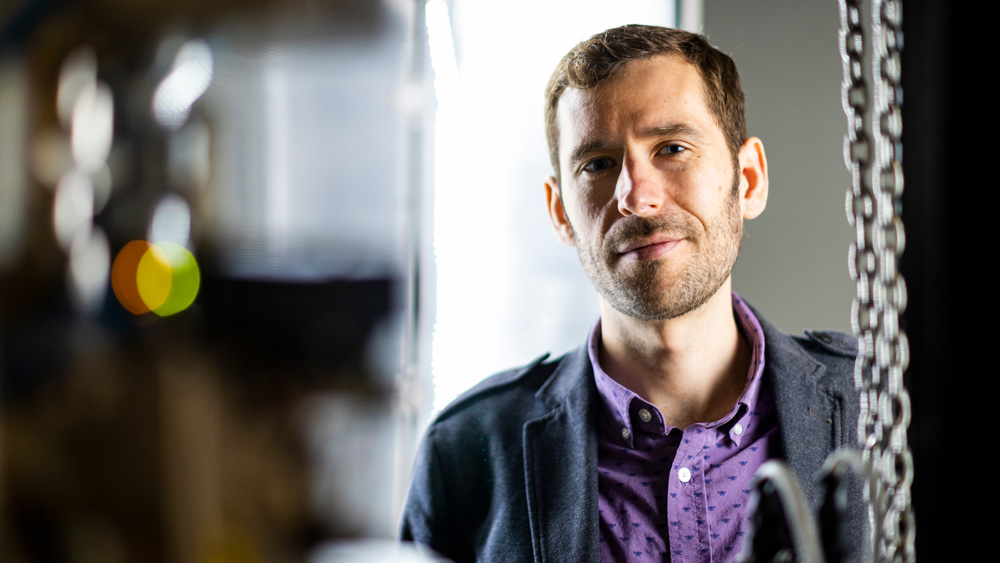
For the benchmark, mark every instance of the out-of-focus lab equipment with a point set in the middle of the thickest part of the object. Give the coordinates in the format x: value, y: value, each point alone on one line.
x: 206, y: 275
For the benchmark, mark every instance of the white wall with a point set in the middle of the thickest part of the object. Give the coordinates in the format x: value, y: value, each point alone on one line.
x: 794, y: 260
x: 507, y: 291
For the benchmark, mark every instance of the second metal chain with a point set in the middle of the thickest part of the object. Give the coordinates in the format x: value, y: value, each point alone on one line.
x: 892, y: 354
x: 873, y: 210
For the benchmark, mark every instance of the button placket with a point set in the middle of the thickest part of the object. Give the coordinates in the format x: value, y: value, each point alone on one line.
x: 687, y: 509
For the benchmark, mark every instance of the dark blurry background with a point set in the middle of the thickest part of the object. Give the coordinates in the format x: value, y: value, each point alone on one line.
x: 257, y: 414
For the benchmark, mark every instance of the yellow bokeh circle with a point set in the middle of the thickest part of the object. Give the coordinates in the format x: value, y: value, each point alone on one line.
x: 166, y: 277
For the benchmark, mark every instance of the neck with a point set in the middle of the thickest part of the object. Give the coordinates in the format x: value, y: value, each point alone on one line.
x: 693, y: 367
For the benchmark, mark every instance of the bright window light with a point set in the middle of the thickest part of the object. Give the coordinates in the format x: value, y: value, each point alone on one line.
x: 507, y: 291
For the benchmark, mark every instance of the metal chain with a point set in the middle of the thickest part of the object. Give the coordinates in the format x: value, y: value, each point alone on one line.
x: 873, y: 210
x: 892, y: 353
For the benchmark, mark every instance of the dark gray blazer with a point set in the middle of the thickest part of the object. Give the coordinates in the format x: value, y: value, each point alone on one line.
x: 508, y: 471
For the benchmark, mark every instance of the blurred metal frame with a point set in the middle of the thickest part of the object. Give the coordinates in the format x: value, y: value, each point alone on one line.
x: 196, y: 436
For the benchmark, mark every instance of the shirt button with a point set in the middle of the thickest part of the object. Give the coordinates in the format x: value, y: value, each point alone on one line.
x: 738, y: 429
x: 684, y: 474
x: 644, y: 415
x: 625, y: 433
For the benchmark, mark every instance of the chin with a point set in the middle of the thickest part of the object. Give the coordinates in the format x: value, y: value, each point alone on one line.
x: 667, y: 303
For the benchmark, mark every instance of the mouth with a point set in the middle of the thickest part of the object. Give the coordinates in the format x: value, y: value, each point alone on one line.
x: 650, y: 248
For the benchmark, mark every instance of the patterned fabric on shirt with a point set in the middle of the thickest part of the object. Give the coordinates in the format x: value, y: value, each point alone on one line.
x: 672, y: 495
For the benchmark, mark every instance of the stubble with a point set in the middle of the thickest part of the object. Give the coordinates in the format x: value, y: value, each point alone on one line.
x: 665, y: 288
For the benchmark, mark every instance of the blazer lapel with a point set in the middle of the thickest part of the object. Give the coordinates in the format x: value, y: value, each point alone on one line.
x: 809, y: 416
x: 560, y: 466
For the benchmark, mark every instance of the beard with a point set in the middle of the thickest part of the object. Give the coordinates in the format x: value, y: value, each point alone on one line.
x: 665, y: 288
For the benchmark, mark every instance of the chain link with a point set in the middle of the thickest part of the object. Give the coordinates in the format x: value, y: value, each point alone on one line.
x: 873, y: 204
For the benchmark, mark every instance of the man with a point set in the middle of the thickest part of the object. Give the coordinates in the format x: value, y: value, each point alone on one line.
x: 642, y: 444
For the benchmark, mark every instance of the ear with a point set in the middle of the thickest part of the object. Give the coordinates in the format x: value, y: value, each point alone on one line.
x: 753, y: 178
x: 557, y: 214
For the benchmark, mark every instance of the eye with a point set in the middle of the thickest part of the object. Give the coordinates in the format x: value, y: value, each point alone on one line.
x: 672, y: 149
x: 598, y: 165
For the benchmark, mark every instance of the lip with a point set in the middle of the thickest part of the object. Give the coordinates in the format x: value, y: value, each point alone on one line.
x: 650, y: 248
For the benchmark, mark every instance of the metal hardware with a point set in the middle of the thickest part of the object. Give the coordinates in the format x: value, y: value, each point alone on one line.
x: 873, y: 206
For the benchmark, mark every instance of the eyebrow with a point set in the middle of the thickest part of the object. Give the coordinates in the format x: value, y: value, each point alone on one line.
x: 674, y: 129
x: 585, y: 148
x: 600, y: 145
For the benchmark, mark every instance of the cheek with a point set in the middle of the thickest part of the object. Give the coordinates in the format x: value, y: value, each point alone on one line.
x: 590, y: 207
x: 708, y: 173
x: 705, y: 193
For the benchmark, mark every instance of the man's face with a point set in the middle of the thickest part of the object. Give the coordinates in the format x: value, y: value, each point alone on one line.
x: 650, y: 195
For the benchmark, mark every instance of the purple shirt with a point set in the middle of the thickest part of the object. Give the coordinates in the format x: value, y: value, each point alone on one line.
x: 670, y: 495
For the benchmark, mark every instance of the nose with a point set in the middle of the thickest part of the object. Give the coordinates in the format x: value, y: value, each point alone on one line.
x: 638, y: 189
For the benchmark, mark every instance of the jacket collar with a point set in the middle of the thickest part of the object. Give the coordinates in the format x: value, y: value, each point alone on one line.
x: 560, y: 465
x: 810, y: 416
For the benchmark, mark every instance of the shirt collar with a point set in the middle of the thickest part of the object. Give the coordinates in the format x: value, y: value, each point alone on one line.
x: 620, y: 405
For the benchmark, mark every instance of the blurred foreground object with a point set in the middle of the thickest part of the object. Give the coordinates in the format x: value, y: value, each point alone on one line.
x: 204, y: 276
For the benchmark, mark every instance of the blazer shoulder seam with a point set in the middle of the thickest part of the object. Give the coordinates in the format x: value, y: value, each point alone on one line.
x: 497, y: 383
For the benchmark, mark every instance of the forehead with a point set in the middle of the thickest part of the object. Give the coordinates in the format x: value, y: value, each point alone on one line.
x: 655, y: 92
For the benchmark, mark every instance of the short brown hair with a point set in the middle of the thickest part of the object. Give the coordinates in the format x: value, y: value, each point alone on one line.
x: 606, y: 54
